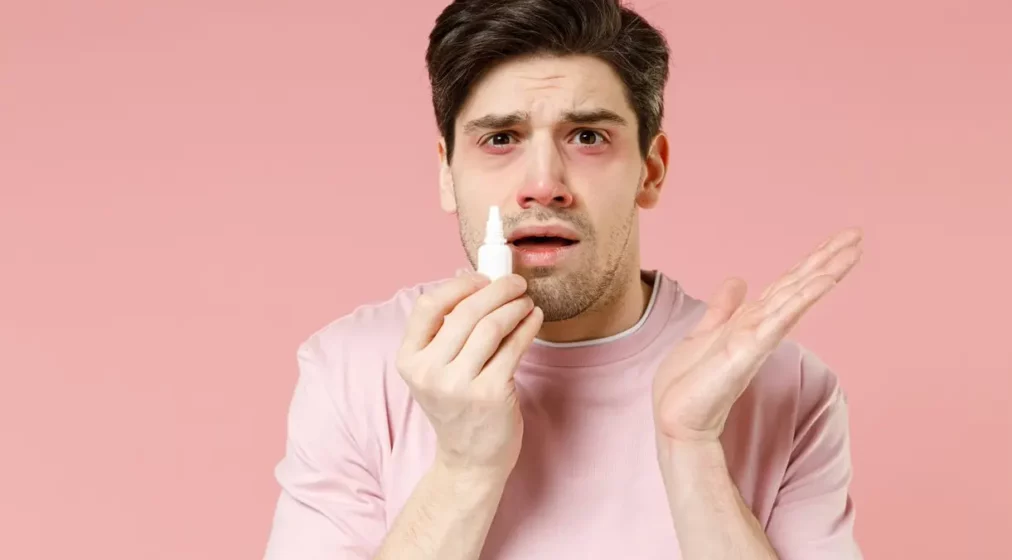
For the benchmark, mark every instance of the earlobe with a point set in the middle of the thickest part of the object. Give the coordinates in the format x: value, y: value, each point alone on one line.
x: 655, y: 169
x: 447, y: 200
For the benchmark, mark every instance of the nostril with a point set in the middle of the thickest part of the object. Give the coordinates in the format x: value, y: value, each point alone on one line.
x: 543, y: 196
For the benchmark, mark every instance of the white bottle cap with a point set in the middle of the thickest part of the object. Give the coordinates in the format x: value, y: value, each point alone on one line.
x: 495, y: 257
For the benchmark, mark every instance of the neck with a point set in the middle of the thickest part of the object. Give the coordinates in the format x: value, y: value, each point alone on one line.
x: 607, y: 318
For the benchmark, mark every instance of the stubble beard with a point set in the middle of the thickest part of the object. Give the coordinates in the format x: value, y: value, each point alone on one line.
x: 587, y: 285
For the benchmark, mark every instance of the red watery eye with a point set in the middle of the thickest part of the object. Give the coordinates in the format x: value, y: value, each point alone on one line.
x: 499, y: 139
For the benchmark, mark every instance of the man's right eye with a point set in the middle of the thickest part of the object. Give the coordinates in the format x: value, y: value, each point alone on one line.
x: 499, y: 142
x: 499, y: 139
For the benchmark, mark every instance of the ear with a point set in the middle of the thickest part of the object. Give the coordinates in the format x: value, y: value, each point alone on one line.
x: 655, y: 168
x: 447, y: 201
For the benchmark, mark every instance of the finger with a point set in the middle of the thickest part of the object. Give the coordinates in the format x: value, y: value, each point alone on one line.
x: 816, y: 259
x: 502, y: 365
x: 489, y: 333
x: 779, y: 322
x: 458, y: 323
x: 837, y: 267
x: 721, y: 306
x: 430, y: 308
x: 820, y: 256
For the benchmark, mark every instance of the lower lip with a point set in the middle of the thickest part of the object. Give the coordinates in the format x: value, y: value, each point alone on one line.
x: 541, y: 255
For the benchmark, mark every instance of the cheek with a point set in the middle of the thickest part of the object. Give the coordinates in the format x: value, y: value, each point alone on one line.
x: 472, y: 206
x: 472, y: 231
x: 618, y: 163
x: 481, y: 180
x: 608, y: 187
x: 609, y: 195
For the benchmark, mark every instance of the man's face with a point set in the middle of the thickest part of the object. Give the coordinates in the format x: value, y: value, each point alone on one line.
x: 553, y: 142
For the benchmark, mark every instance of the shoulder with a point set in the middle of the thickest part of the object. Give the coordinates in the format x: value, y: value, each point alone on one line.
x: 794, y: 398
x: 348, y: 367
x: 794, y: 375
x: 364, y: 342
x: 793, y: 408
x: 367, y: 329
x: 792, y: 386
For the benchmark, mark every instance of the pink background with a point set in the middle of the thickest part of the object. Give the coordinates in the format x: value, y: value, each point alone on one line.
x: 188, y: 189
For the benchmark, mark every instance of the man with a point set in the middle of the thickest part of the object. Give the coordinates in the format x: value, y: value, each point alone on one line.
x: 582, y: 407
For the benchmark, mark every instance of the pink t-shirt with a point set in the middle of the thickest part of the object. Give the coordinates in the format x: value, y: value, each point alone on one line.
x: 587, y: 484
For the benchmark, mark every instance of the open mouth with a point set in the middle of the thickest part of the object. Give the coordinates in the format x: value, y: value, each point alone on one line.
x: 542, y: 242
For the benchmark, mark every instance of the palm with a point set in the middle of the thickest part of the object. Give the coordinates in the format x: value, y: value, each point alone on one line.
x: 706, y: 372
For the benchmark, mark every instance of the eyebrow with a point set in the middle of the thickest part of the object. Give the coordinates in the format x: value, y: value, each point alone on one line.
x: 496, y: 122
x: 593, y: 116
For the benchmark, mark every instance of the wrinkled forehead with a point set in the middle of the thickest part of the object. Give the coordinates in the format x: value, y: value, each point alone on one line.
x: 546, y: 88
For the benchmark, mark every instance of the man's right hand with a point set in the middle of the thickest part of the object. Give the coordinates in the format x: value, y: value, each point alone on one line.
x: 462, y: 346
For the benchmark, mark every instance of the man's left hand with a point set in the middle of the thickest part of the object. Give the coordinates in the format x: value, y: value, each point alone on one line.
x: 704, y: 375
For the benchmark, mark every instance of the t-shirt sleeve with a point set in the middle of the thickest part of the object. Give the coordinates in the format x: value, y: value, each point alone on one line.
x: 331, y: 503
x: 813, y: 515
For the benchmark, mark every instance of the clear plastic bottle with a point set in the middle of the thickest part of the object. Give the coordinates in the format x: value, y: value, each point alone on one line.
x: 495, y: 257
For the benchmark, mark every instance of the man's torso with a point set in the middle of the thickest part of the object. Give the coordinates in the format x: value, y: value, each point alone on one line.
x: 587, y: 483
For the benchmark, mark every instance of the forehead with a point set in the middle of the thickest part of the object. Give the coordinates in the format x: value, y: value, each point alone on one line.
x: 546, y: 87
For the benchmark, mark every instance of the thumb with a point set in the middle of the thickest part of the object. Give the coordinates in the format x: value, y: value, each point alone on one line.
x: 721, y: 306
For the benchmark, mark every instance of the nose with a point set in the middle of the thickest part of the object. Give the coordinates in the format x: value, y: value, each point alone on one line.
x: 545, y: 183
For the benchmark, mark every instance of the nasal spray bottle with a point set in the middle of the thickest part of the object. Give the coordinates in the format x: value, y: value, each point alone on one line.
x: 495, y: 258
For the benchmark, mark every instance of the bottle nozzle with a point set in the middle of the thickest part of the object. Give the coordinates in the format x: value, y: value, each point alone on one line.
x: 493, y: 228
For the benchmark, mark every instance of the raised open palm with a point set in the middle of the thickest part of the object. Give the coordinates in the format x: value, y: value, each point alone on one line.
x: 707, y: 371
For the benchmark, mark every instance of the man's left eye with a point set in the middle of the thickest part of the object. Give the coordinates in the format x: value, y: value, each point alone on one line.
x: 589, y: 138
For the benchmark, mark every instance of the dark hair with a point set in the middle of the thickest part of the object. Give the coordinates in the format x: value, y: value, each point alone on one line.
x: 472, y: 36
